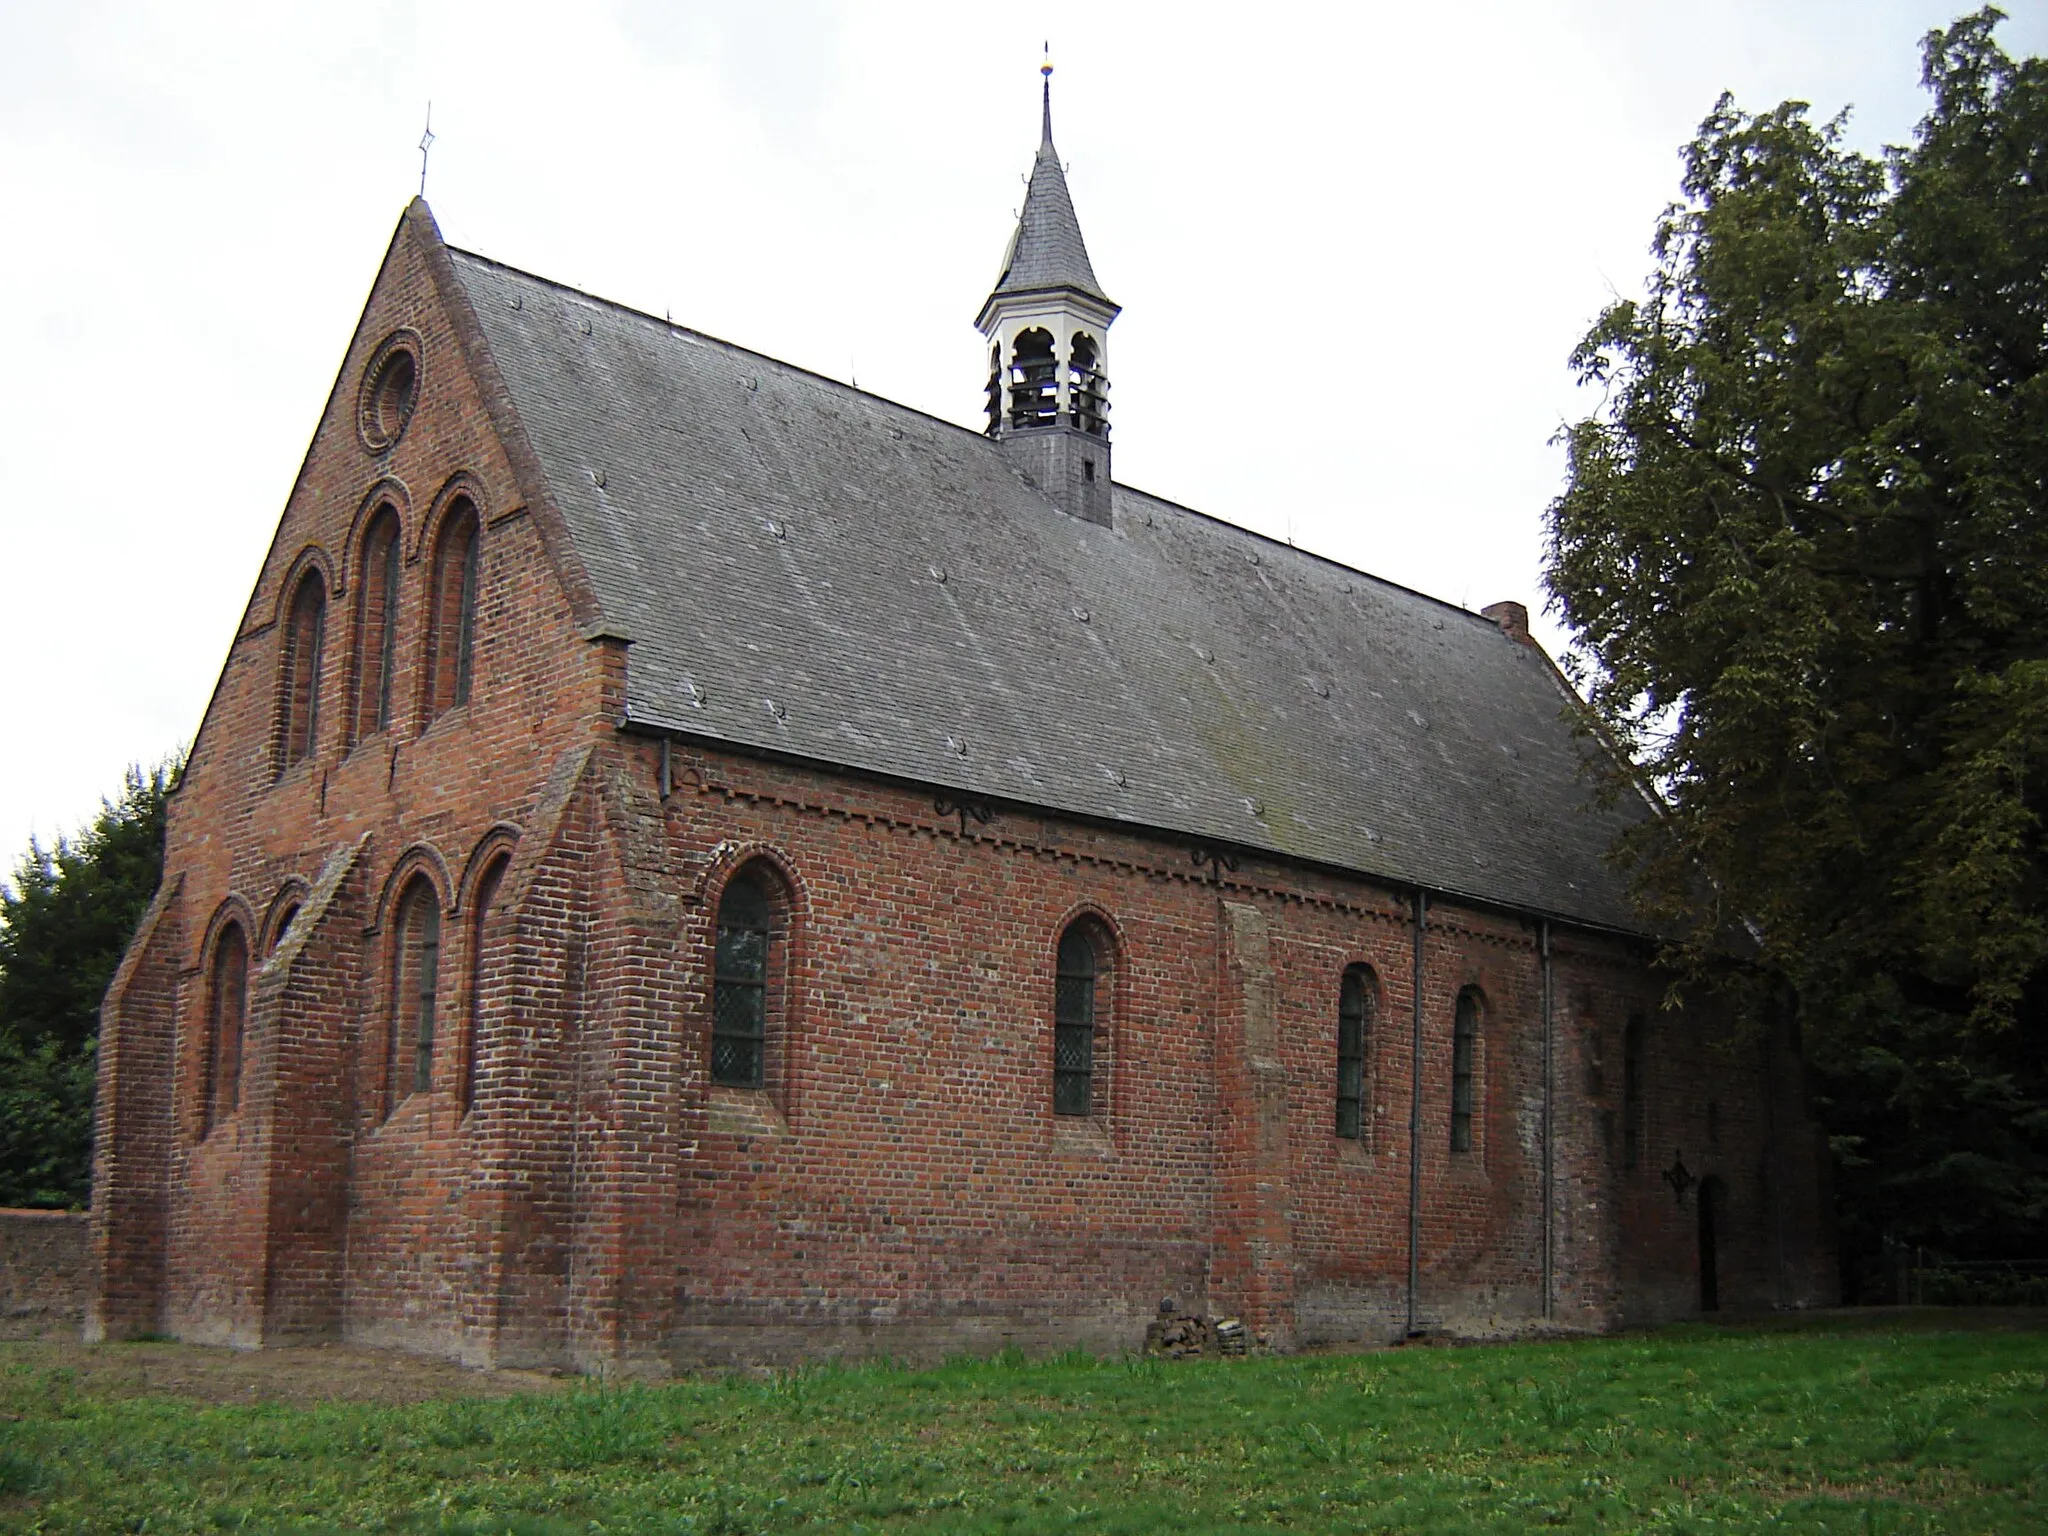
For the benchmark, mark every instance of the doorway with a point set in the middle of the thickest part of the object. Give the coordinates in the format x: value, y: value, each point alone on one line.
x: 1713, y: 1196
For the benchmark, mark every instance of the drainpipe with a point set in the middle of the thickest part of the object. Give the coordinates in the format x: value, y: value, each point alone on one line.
x: 1549, y: 1105
x: 1415, y: 1123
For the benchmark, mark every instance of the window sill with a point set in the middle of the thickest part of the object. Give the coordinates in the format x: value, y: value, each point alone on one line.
x: 1081, y: 1136
x: 1352, y: 1152
x: 447, y: 720
x: 744, y: 1112
x: 1470, y: 1167
x: 379, y: 739
x: 299, y: 770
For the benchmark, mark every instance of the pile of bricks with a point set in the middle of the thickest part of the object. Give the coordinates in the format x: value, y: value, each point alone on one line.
x: 1176, y: 1334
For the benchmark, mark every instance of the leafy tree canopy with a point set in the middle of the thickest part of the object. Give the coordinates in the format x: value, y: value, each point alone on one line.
x: 64, y: 924
x: 1804, y: 548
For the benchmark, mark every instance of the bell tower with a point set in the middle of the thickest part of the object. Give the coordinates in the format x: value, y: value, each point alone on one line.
x: 1047, y: 326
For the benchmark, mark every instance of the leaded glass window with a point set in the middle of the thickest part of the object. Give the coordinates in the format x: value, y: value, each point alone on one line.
x: 1464, y: 1052
x: 1354, y: 1020
x: 739, y: 1005
x: 1073, y: 1043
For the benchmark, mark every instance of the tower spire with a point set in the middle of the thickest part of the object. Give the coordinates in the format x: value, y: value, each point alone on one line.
x: 1046, y: 321
x: 1045, y: 70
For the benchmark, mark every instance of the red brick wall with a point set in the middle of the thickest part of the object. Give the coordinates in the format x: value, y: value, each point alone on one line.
x: 45, y: 1267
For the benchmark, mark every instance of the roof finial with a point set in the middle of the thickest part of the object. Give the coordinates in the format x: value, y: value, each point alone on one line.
x: 426, y: 143
x: 1045, y: 69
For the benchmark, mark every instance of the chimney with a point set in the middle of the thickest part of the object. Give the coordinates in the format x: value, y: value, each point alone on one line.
x: 1513, y: 620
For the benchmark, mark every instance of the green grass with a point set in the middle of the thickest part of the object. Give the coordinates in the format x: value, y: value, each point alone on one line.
x: 1693, y: 1430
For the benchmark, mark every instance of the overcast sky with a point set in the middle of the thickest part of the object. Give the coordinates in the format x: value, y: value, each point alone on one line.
x: 1354, y: 245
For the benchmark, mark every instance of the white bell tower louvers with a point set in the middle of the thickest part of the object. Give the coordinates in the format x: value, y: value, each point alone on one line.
x: 1047, y: 324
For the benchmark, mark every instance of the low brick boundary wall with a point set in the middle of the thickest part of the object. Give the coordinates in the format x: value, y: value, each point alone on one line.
x: 44, y: 1257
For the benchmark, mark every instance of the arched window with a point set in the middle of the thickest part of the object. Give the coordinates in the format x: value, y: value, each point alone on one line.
x: 1088, y: 407
x: 285, y: 919
x: 1034, y: 381
x: 415, y: 980
x: 451, y: 638
x: 1634, y: 1103
x: 377, y: 623
x: 480, y: 908
x: 995, y: 389
x: 1354, y: 1033
x: 305, y: 636
x: 739, y: 1005
x: 227, y: 1008
x: 1080, y: 1018
x: 1464, y: 1068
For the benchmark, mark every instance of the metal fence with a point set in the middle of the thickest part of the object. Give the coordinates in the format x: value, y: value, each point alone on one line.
x: 1923, y: 1279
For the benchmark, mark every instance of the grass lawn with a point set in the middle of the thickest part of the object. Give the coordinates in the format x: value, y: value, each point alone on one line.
x: 1893, y: 1425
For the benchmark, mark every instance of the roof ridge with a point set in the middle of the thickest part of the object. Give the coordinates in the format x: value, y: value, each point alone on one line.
x: 975, y: 434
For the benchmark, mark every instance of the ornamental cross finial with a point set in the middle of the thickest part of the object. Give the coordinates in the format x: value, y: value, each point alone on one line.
x: 426, y: 143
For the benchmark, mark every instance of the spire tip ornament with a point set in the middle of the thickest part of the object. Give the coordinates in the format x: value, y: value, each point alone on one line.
x: 1045, y: 73
x: 426, y: 143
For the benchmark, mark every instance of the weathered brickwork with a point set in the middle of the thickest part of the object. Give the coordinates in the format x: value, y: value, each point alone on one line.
x: 572, y: 1188
x: 45, y: 1268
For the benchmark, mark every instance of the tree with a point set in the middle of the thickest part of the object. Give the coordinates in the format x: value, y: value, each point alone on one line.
x: 64, y: 924
x: 1804, y: 550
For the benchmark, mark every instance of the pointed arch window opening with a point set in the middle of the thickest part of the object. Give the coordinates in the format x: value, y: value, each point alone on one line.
x: 416, y: 975
x: 228, y: 1005
x: 739, y: 1011
x: 1034, y: 380
x: 465, y: 635
x: 1354, y: 1033
x: 452, y: 641
x: 1087, y: 389
x: 486, y: 894
x: 377, y: 625
x: 305, y: 640
x: 426, y: 980
x: 1074, y: 1022
x: 1464, y: 1069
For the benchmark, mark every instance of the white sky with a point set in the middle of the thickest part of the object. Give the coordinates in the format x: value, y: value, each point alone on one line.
x: 1355, y: 244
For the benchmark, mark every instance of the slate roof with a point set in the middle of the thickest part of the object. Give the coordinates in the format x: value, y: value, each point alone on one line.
x: 808, y: 569
x: 1046, y: 251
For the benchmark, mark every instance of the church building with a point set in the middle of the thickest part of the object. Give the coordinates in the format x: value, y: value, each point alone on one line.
x: 688, y: 861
